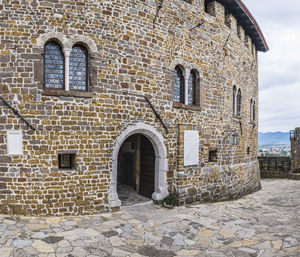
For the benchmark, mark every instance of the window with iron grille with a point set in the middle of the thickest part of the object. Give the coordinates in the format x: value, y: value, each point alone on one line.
x: 178, y: 85
x: 192, y: 85
x: 78, y: 68
x: 66, y: 161
x: 213, y: 156
x: 53, y: 65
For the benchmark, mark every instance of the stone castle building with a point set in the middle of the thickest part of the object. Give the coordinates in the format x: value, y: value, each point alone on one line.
x: 157, y: 95
x: 295, y: 149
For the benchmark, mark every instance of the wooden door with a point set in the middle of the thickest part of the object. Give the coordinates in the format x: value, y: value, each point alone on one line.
x: 147, y: 168
x: 127, y: 169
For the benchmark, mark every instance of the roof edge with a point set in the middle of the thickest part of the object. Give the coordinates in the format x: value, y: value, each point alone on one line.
x: 254, y: 22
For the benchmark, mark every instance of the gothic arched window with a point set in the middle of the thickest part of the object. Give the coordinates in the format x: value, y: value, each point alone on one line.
x: 239, y: 102
x: 178, y: 85
x: 192, y: 87
x: 78, y: 68
x: 53, y: 65
x: 234, y: 95
x: 253, y: 111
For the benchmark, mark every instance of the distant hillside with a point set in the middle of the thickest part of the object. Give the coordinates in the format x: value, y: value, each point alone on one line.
x: 269, y: 138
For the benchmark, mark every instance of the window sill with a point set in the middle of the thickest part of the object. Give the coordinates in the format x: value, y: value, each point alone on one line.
x: 186, y: 107
x: 58, y: 92
x: 237, y: 117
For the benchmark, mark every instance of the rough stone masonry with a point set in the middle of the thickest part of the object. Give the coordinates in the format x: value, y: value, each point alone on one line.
x: 129, y: 58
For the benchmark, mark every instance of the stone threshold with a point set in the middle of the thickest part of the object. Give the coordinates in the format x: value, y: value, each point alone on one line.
x: 138, y: 204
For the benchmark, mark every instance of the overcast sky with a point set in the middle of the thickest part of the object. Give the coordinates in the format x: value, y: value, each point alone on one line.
x: 279, y: 69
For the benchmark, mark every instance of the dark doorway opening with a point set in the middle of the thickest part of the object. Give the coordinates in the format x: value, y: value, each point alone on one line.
x: 136, y: 169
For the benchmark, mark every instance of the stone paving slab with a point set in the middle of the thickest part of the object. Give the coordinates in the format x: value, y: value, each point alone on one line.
x: 264, y: 224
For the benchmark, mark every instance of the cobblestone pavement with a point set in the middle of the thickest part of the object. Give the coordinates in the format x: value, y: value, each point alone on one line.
x: 266, y: 223
x: 128, y: 196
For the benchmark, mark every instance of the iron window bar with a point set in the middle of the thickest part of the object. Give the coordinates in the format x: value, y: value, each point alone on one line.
x: 254, y: 125
x: 227, y: 39
x: 199, y: 24
x: 241, y: 128
x: 56, y: 71
x: 156, y: 114
x: 17, y: 113
x: 161, y: 2
x: 79, y: 65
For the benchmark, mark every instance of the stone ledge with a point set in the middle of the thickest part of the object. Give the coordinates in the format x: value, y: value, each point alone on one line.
x: 58, y: 92
x: 237, y: 117
x: 187, y: 107
x: 294, y: 176
x: 67, y: 151
x: 273, y: 174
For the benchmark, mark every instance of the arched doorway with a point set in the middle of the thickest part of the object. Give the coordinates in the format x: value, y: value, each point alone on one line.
x: 136, y: 169
x: 149, y: 135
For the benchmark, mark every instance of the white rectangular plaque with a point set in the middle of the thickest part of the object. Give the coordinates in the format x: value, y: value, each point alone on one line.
x: 191, y: 147
x: 14, y: 142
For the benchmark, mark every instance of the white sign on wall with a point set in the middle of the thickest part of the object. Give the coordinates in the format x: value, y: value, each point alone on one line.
x: 14, y: 142
x: 191, y: 147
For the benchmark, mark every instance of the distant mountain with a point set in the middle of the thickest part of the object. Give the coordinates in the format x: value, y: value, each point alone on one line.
x: 270, y: 138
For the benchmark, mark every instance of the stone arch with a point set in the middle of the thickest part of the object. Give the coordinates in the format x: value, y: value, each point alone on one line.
x: 195, y: 87
x: 57, y: 36
x: 86, y: 41
x: 161, y: 162
x: 182, y: 64
x: 195, y: 67
x: 67, y: 43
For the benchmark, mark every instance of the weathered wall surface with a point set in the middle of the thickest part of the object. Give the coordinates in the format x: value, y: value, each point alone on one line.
x: 274, y: 167
x: 129, y: 57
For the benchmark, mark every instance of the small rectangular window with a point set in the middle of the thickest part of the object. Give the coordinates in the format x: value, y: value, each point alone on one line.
x: 213, y: 155
x: 248, y: 150
x: 66, y: 161
x: 235, y: 139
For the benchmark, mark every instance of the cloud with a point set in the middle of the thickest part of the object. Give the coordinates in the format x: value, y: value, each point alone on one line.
x: 275, y: 113
x: 279, y: 69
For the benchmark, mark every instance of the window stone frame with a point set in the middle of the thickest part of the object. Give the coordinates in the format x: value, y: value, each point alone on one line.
x: 252, y: 110
x: 200, y: 89
x: 236, y: 105
x: 66, y: 44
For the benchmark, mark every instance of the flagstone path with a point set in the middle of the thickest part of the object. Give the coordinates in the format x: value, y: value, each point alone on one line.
x: 264, y: 224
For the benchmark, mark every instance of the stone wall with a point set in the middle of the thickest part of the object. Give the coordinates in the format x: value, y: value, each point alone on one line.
x: 294, y: 176
x: 295, y: 149
x: 219, y: 183
x: 130, y: 57
x: 274, y: 167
